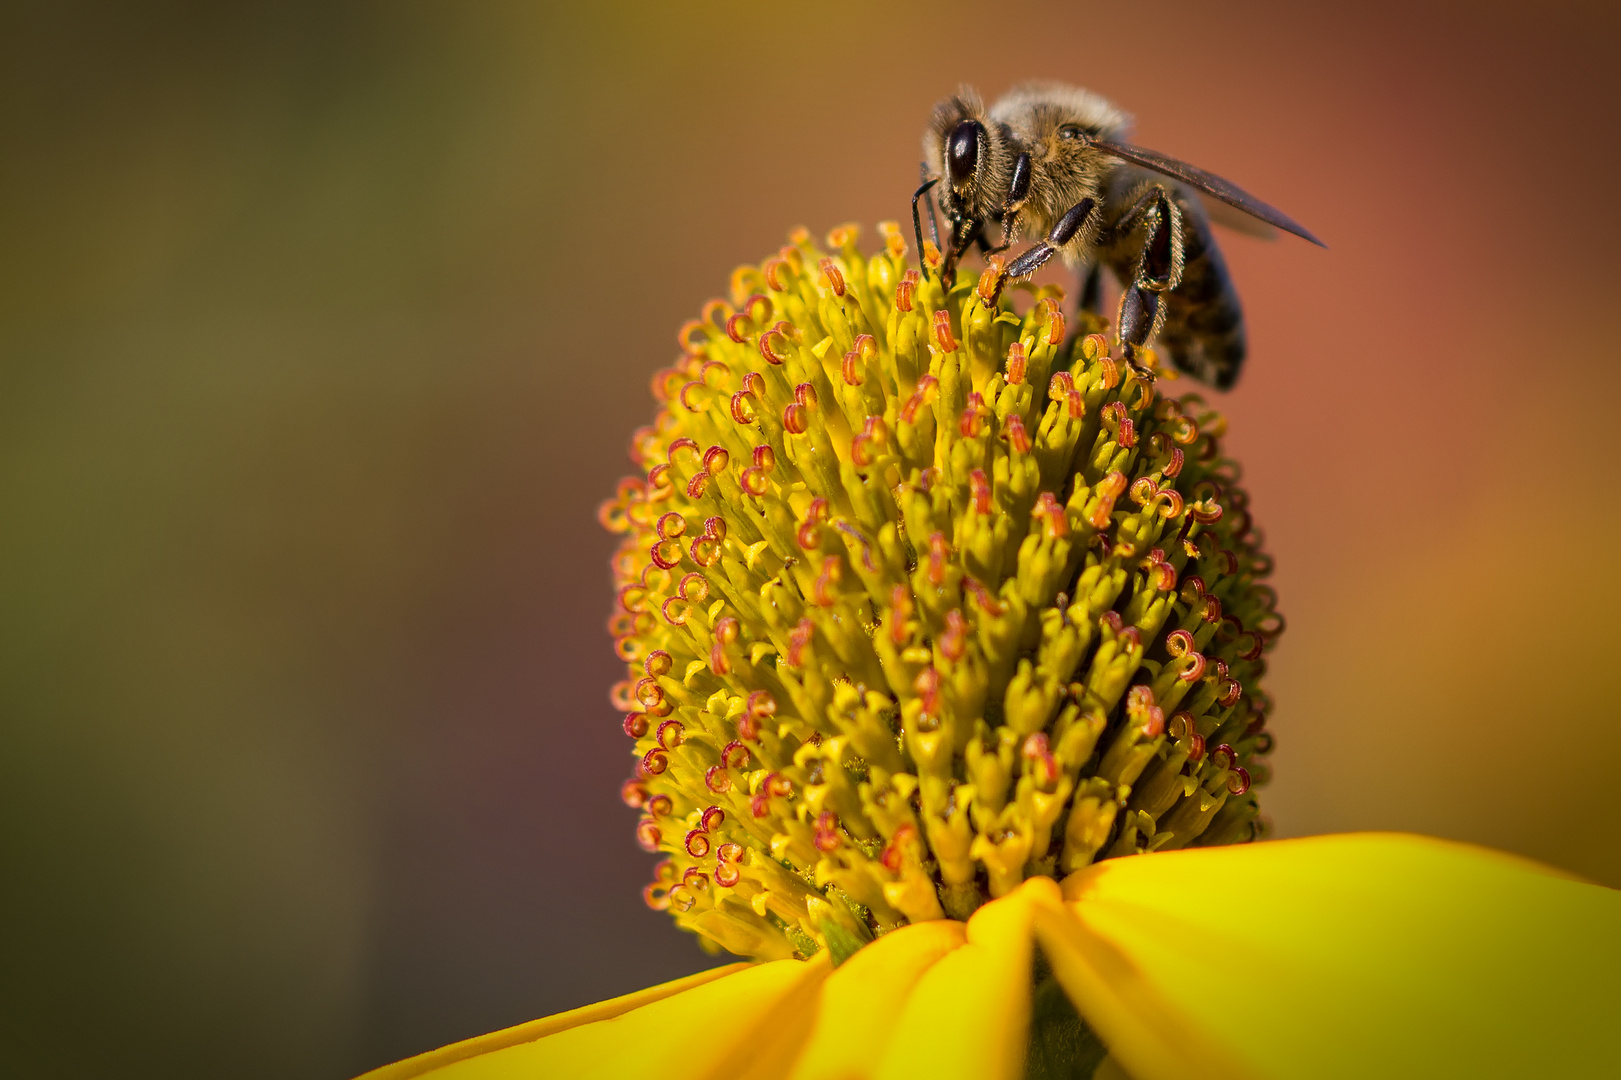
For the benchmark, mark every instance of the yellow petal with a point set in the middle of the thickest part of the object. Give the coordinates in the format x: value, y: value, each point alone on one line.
x: 969, y: 1016
x: 423, y: 1064
x: 735, y: 1022
x: 1355, y: 955
x: 862, y: 999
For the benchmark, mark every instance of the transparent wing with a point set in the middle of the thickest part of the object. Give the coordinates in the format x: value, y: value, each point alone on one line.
x: 1230, y: 217
x: 1209, y: 183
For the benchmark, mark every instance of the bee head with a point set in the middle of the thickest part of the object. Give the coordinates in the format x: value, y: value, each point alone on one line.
x: 970, y: 153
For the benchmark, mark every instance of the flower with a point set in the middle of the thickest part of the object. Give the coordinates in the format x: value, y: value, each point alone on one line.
x: 933, y: 613
x: 921, y: 597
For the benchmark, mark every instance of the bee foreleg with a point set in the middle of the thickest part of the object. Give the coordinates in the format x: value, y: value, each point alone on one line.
x: 1062, y: 232
x: 1017, y: 193
x: 917, y: 223
x: 963, y: 234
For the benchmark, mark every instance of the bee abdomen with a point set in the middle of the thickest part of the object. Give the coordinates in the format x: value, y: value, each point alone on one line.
x: 1204, y: 322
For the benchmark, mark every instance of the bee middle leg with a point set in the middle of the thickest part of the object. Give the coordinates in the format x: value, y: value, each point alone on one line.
x: 1018, y: 193
x: 963, y: 235
x: 923, y: 192
x: 1092, y: 290
x: 1062, y: 232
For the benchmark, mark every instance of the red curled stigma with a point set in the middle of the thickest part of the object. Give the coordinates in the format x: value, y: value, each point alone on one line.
x: 835, y: 279
x: 1051, y: 514
x: 1016, y: 364
x: 735, y: 755
x: 980, y: 491
x: 939, y: 555
x: 668, y: 734
x: 906, y: 290
x: 768, y: 348
x: 799, y: 639
x: 1055, y: 325
x: 954, y: 641
x: 827, y: 831
x: 1017, y: 437
x: 717, y: 779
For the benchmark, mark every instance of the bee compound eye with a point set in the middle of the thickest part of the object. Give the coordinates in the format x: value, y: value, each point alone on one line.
x: 1070, y: 131
x: 962, y: 150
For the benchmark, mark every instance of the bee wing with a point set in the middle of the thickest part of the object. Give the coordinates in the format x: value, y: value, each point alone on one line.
x: 1229, y: 217
x: 1209, y: 183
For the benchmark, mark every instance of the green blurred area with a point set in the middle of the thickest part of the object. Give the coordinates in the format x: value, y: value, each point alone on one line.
x: 250, y: 373
x: 323, y: 328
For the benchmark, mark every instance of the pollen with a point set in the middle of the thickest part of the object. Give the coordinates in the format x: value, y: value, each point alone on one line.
x: 921, y: 593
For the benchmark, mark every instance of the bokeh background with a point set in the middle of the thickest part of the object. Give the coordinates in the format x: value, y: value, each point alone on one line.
x: 322, y: 330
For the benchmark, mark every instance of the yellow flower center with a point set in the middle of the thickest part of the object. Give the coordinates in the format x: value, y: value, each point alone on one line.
x: 922, y: 596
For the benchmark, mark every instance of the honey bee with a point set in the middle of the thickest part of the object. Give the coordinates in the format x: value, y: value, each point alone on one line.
x: 1048, y: 161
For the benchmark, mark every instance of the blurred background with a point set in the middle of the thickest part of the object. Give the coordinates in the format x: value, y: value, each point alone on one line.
x: 323, y: 328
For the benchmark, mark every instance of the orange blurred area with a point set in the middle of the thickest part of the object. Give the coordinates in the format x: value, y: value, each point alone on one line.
x: 323, y: 329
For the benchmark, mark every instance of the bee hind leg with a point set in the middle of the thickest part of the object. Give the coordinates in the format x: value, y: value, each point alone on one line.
x: 1158, y: 271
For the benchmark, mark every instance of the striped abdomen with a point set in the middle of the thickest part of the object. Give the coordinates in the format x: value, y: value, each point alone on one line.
x: 1203, y: 333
